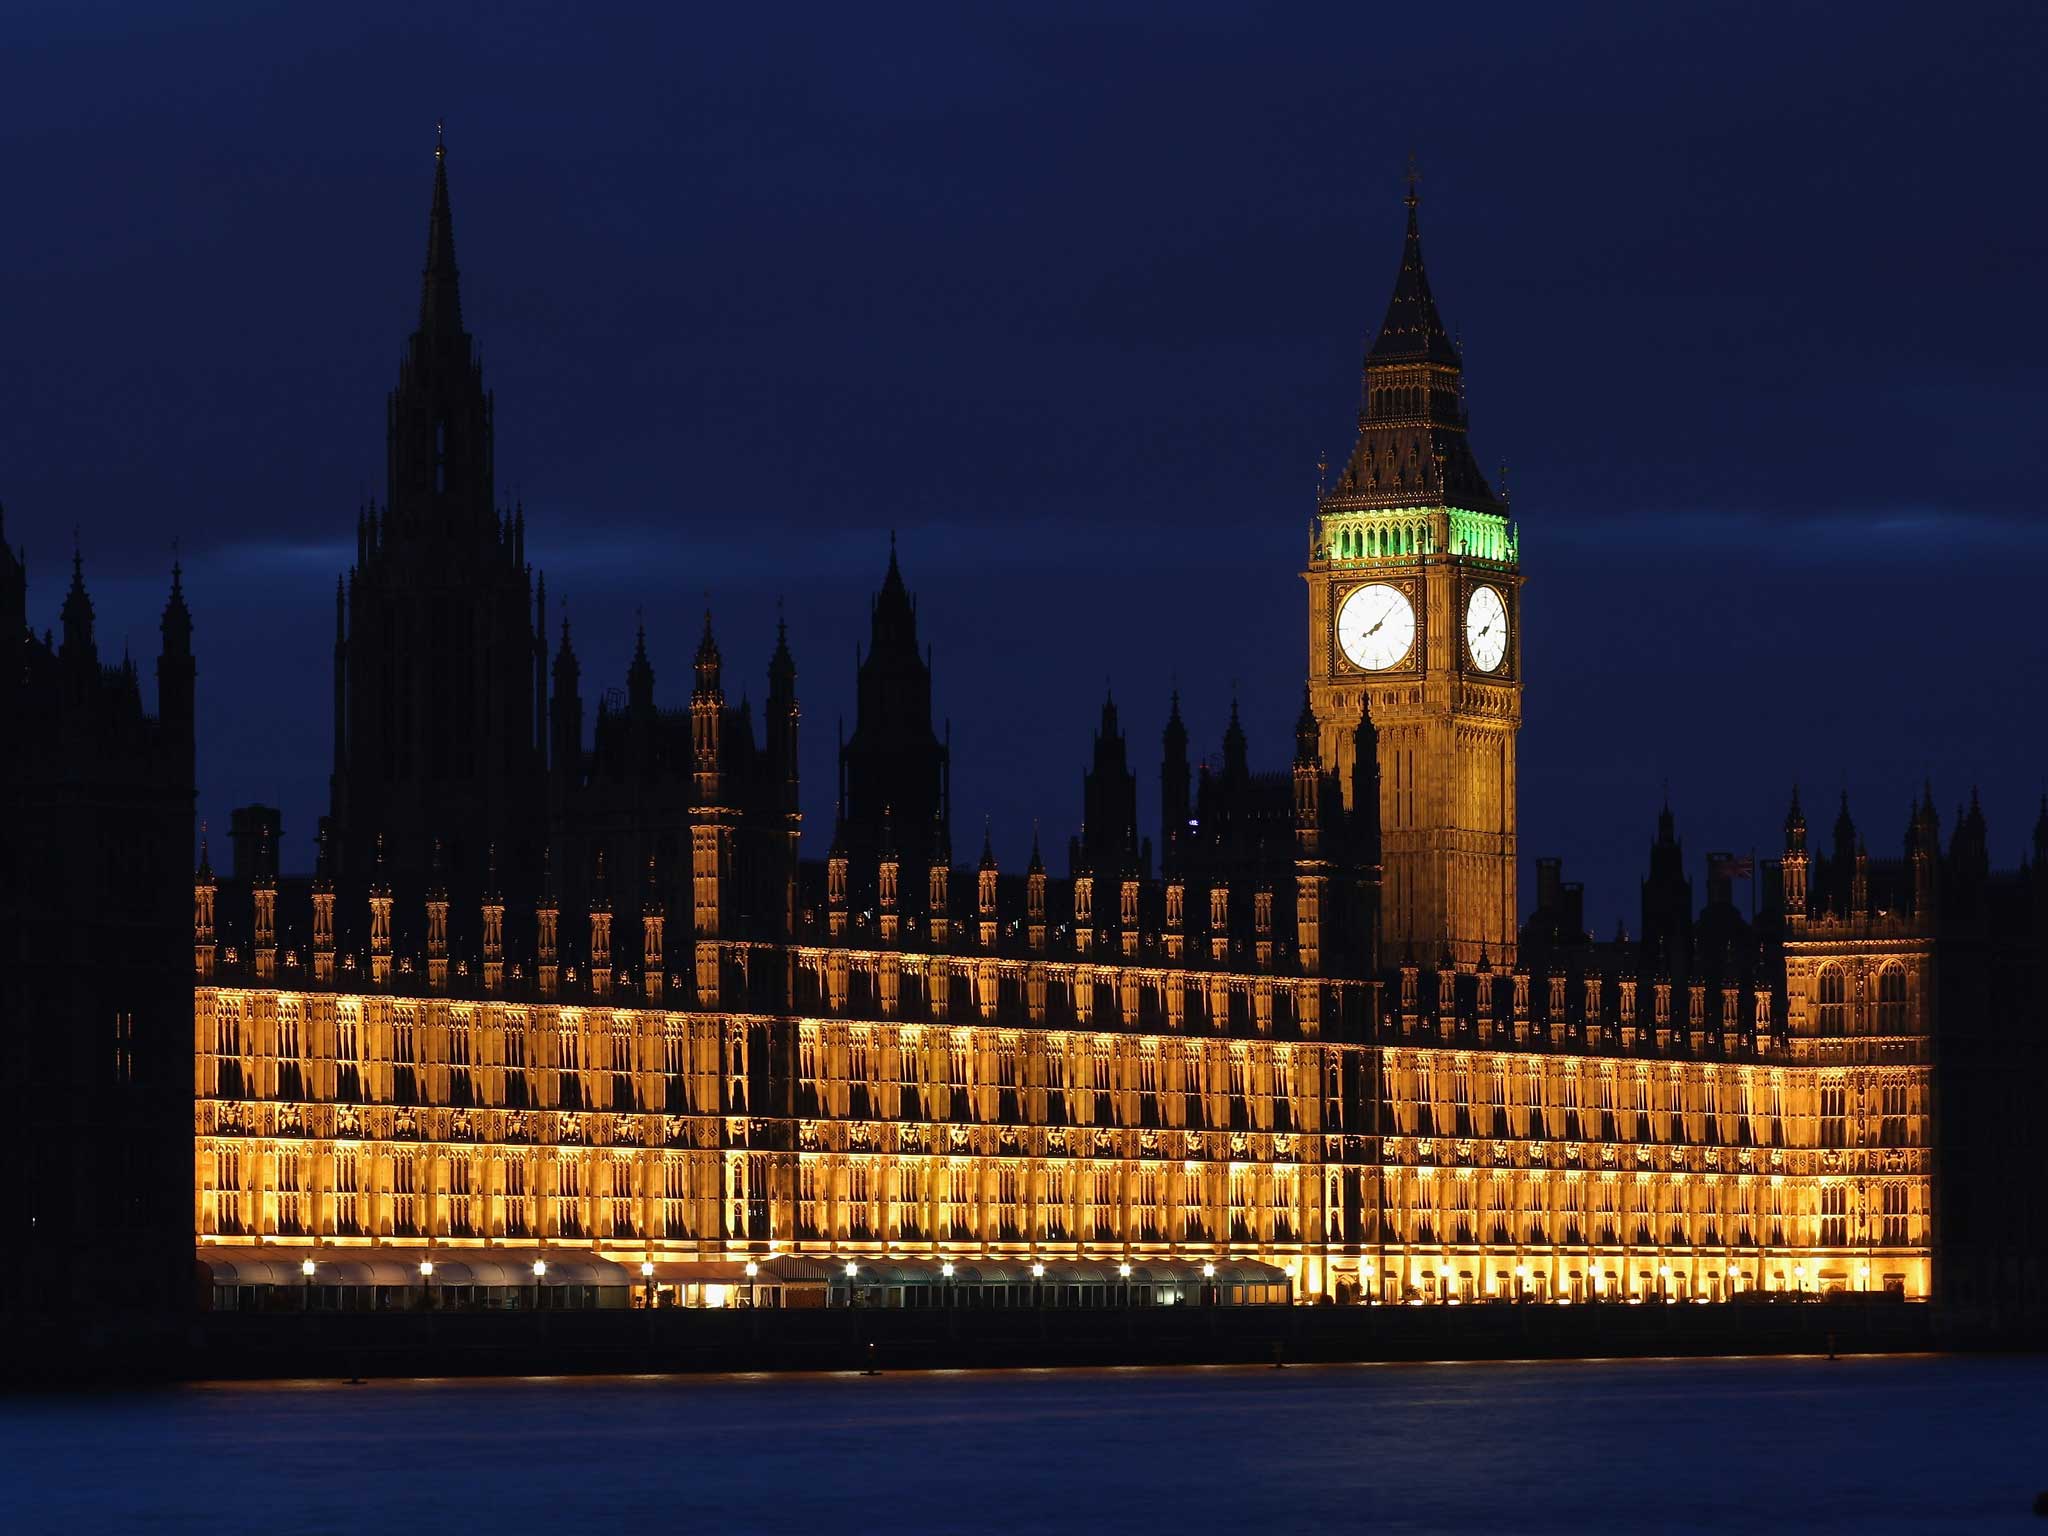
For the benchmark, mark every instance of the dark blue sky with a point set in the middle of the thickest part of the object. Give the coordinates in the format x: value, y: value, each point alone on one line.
x: 1073, y: 297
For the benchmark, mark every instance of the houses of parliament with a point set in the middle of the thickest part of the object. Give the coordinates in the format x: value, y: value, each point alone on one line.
x: 570, y: 991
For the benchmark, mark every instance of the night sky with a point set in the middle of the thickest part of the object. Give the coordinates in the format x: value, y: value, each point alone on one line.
x: 1073, y: 298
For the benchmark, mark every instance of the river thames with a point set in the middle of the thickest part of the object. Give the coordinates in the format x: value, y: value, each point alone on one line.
x: 1897, y: 1444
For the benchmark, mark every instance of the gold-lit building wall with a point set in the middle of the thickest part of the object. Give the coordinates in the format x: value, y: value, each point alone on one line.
x: 1196, y: 1114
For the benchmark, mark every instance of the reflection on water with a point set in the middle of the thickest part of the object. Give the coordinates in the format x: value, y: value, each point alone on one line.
x: 1866, y: 1445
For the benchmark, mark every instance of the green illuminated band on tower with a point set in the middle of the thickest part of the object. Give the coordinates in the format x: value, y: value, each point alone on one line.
x: 1405, y: 533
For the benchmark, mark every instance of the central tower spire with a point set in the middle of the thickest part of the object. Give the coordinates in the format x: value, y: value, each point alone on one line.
x: 436, y: 685
x: 440, y: 292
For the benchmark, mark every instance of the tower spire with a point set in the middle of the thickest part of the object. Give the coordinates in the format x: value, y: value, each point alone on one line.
x: 440, y: 298
x: 1413, y: 331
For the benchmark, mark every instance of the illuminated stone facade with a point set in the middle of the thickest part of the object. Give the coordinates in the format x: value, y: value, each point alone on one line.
x: 742, y: 1053
x: 1449, y: 1135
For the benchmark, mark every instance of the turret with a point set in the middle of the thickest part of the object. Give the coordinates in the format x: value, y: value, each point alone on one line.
x: 565, y: 756
x: 837, y: 872
x: 707, y: 708
x: 888, y: 881
x: 600, y: 932
x: 938, y: 886
x: 78, y: 650
x: 1795, y: 872
x: 380, y: 919
x: 437, y: 924
x: 1109, y: 800
x: 653, y: 919
x: 1311, y: 872
x: 783, y: 717
x: 1034, y: 899
x: 1842, y: 861
x: 1173, y: 789
x: 494, y: 927
x: 323, y: 907
x: 640, y: 674
x: 263, y: 910
x: 204, y: 889
x: 547, y: 915
x: 176, y: 673
x: 985, y: 894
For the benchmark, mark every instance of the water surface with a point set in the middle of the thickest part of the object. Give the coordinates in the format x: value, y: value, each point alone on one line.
x: 1870, y: 1445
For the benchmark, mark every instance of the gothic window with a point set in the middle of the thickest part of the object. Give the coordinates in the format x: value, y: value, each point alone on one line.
x: 1895, y: 1215
x: 1834, y: 1215
x: 348, y: 1213
x: 516, y: 1222
x: 1892, y: 1123
x: 405, y: 1198
x: 1833, y: 993
x: 1891, y: 1000
x: 462, y: 1195
x: 1833, y: 1103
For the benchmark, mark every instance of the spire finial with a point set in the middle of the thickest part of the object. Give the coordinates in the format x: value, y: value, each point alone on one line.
x: 1414, y: 182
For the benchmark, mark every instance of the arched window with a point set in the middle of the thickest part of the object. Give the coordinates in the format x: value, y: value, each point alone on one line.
x: 1891, y: 1000
x: 1834, y: 1001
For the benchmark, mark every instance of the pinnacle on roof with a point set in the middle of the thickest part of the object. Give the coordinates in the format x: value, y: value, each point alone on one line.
x: 177, y: 619
x: 781, y: 665
x: 440, y: 296
x: 988, y: 852
x: 77, y: 610
x: 707, y: 659
x: 640, y: 672
x: 1037, y: 865
x: 1306, y: 732
x: 1413, y: 331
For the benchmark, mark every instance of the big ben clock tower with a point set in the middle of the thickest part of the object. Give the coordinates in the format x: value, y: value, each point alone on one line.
x: 1414, y: 611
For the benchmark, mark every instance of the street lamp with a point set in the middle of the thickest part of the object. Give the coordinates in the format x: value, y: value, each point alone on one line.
x: 752, y: 1270
x: 540, y: 1269
x: 647, y: 1274
x: 306, y: 1269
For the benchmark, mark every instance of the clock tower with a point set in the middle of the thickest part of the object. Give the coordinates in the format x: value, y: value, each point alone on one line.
x: 1414, y: 612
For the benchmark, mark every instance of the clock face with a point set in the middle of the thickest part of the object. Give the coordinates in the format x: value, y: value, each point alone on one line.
x: 1376, y: 627
x: 1486, y: 628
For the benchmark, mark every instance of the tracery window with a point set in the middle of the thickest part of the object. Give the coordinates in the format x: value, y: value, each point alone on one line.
x: 1833, y: 1105
x: 1891, y: 1000
x: 1833, y: 993
x: 1834, y: 1215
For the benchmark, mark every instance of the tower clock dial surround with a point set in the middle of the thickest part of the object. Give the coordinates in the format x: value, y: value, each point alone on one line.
x: 1376, y: 626
x: 1486, y: 629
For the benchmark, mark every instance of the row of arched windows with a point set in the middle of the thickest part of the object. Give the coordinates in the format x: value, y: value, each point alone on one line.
x: 1410, y: 401
x: 1832, y: 994
x: 1380, y: 543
